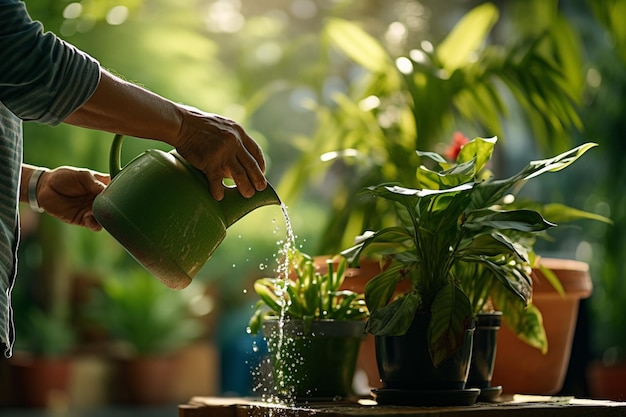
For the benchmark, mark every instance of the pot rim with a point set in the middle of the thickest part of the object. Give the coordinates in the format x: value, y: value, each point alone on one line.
x: 573, y: 275
x: 321, y: 328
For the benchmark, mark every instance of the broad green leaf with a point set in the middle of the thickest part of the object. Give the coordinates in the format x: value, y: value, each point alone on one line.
x: 490, y: 244
x: 466, y: 37
x: 478, y: 150
x: 451, y: 177
x: 528, y: 325
x: 522, y: 220
x: 451, y: 312
x: 560, y: 213
x: 513, y: 279
x: 393, y: 319
x: 358, y: 45
x: 380, y: 289
x: 524, y: 320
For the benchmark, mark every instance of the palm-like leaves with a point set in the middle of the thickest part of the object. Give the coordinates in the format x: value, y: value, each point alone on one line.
x: 405, y: 103
x: 311, y: 295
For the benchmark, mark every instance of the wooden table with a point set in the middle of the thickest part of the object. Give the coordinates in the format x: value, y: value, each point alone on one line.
x: 517, y: 406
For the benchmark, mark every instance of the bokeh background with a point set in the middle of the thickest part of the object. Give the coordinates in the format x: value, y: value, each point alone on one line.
x: 546, y: 76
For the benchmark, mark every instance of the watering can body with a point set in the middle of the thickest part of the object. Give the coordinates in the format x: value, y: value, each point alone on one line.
x: 158, y: 207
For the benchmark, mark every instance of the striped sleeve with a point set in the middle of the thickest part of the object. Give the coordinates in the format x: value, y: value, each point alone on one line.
x: 10, y: 160
x: 42, y: 78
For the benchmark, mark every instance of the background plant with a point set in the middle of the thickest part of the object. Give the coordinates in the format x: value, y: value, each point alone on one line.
x: 264, y: 62
x: 142, y: 316
x: 311, y: 295
x: 403, y: 101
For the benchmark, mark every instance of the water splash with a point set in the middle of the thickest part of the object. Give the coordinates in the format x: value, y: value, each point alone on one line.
x: 264, y: 384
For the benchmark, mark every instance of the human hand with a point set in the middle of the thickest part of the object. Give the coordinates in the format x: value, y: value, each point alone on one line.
x: 221, y: 149
x: 67, y: 193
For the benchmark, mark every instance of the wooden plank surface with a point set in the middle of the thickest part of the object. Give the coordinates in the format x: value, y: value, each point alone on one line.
x: 519, y: 407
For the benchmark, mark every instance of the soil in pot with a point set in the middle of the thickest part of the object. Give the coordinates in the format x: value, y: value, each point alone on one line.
x: 315, y: 361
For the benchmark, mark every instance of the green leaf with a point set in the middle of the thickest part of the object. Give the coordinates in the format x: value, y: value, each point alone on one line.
x: 391, y: 237
x: 552, y: 278
x: 358, y: 45
x: 380, y: 289
x: 491, y: 244
x: 522, y: 220
x: 451, y: 312
x: 524, y: 319
x: 511, y: 277
x: 556, y: 163
x: 466, y: 37
x: 528, y: 325
x: 266, y: 289
x: 560, y: 213
x: 393, y: 319
x: 479, y: 151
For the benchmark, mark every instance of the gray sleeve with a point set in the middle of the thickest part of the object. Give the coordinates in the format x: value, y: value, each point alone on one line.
x: 42, y: 78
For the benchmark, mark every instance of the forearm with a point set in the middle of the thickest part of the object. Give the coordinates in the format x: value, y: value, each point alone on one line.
x: 121, y: 107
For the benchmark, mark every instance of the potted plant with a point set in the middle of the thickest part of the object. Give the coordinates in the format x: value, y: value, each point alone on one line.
x: 452, y: 217
x: 147, y: 324
x: 308, y: 321
x: 42, y: 367
x: 526, y: 324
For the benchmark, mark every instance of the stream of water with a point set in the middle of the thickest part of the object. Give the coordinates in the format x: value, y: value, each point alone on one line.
x: 288, y: 245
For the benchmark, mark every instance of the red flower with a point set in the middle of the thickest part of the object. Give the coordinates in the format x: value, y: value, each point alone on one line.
x: 452, y: 151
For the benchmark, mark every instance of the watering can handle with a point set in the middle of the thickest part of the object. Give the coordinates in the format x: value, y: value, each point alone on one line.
x: 115, y: 157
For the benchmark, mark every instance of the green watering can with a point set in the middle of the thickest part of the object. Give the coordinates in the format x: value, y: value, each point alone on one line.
x: 160, y: 209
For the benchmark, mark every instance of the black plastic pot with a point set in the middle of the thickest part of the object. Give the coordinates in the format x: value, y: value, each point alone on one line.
x: 484, y: 349
x: 404, y: 362
x: 315, y: 360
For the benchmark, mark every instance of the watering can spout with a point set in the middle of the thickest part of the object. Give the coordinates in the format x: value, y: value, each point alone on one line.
x: 235, y: 206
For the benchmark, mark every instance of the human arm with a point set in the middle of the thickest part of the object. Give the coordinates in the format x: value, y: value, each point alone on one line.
x: 66, y: 193
x: 214, y: 144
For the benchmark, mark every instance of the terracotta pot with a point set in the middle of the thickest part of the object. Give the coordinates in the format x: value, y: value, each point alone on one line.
x: 146, y: 380
x: 40, y: 382
x: 522, y: 369
x: 607, y: 382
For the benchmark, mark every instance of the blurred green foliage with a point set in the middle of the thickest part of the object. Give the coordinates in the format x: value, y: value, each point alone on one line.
x: 263, y: 64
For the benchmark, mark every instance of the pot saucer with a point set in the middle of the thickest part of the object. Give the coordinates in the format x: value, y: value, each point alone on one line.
x: 425, y: 398
x: 490, y: 394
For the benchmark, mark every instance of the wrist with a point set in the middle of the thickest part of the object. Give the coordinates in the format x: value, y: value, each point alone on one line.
x: 33, y: 184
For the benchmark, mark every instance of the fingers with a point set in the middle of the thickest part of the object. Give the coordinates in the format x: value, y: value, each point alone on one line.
x: 68, y: 193
x: 222, y: 149
x: 90, y: 222
x: 93, y: 182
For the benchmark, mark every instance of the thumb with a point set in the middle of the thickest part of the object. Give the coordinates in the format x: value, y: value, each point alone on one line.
x: 90, y: 222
